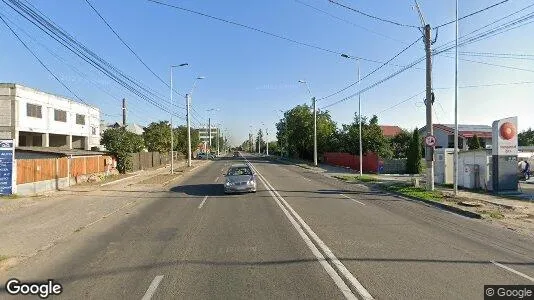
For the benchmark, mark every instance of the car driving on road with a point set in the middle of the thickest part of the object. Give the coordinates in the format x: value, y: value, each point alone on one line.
x: 240, y: 179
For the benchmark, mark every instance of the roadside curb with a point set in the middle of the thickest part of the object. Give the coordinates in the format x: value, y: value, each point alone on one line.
x: 122, y: 179
x: 453, y: 209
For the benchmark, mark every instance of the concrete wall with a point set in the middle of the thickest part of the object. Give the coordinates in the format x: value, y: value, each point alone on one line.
x: 7, y: 111
x: 43, y: 186
x: 394, y: 166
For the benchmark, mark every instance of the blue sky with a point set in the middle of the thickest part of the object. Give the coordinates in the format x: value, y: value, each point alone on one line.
x: 250, y: 76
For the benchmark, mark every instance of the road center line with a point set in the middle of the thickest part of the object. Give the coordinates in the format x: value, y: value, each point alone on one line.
x: 202, y: 203
x: 512, y: 270
x: 332, y: 260
x: 152, y: 288
x: 352, y: 199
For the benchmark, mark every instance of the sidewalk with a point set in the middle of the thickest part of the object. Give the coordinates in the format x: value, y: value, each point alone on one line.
x: 29, y: 225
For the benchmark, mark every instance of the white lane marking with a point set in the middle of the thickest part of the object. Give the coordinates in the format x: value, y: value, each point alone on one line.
x: 512, y: 270
x: 352, y: 199
x: 152, y: 288
x: 332, y: 258
x: 217, y: 179
x: 202, y: 203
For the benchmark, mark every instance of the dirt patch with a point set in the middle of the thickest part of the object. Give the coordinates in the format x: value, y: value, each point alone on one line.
x: 161, y: 178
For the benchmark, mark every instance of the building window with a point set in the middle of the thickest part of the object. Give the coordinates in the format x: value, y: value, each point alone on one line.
x: 33, y: 111
x: 93, y: 130
x: 80, y: 119
x: 60, y: 115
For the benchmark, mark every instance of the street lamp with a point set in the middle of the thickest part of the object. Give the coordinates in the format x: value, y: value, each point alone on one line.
x: 209, y: 124
x: 188, y: 105
x: 172, y: 133
x: 359, y: 114
x: 314, y: 123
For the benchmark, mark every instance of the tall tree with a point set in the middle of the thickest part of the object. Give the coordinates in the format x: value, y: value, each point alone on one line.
x: 400, y: 144
x: 474, y: 143
x: 526, y: 138
x: 180, y: 139
x: 157, y: 136
x: 120, y: 143
x: 413, y: 162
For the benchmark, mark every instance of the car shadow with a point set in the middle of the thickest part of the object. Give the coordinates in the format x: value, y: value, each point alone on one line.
x: 211, y: 189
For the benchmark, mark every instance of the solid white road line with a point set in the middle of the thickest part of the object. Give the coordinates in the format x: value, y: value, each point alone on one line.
x: 352, y: 199
x: 512, y: 270
x: 331, y: 257
x: 152, y: 288
x: 217, y: 179
x: 202, y: 203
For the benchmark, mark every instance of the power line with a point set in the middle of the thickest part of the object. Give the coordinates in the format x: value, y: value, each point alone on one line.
x: 130, y: 48
x: 347, y: 21
x: 372, y: 72
x: 473, y: 13
x: 401, y: 102
x: 278, y: 36
x: 40, y: 61
x: 490, y: 64
x: 84, y: 53
x: 373, y: 17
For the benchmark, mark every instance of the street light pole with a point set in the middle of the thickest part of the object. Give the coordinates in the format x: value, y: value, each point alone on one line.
x: 172, y: 133
x: 314, y: 101
x: 188, y: 105
x: 359, y: 114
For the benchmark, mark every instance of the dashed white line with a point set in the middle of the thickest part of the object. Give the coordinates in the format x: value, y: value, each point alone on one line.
x: 352, y: 199
x: 202, y: 203
x: 512, y: 270
x: 152, y: 288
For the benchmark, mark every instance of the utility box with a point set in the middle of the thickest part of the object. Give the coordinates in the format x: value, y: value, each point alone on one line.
x: 471, y: 178
x: 444, y: 165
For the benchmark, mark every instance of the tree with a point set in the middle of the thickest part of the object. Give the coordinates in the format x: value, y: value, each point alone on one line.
x: 474, y: 143
x: 373, y: 139
x: 120, y: 143
x: 180, y: 139
x: 413, y: 161
x: 158, y: 137
x: 526, y: 138
x: 400, y: 144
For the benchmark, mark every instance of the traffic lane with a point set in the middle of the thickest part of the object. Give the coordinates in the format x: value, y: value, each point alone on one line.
x: 243, y: 248
x: 119, y: 261
x: 396, y: 255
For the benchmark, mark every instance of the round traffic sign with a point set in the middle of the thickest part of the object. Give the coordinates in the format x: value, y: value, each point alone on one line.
x: 430, y: 141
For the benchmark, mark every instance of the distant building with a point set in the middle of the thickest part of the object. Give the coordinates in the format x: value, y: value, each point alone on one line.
x: 204, y: 133
x: 444, y: 134
x: 38, y: 119
x: 390, y: 131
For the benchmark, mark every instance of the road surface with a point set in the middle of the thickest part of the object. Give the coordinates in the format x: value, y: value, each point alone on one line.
x: 302, y: 235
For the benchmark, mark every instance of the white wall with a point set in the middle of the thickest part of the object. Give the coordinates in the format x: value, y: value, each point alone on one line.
x: 480, y: 158
x: 47, y: 124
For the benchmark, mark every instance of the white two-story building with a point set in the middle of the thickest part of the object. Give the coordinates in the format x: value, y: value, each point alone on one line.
x: 38, y: 119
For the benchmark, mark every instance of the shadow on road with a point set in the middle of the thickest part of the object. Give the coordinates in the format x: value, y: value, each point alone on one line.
x: 267, y: 263
x: 210, y: 189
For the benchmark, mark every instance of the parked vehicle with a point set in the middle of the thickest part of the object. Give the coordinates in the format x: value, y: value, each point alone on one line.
x: 240, y: 179
x: 236, y: 154
x: 201, y: 155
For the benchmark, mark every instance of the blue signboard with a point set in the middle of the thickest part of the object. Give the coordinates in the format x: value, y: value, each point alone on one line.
x: 6, y: 166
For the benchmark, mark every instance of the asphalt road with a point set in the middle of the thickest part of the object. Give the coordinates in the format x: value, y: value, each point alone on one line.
x: 302, y: 235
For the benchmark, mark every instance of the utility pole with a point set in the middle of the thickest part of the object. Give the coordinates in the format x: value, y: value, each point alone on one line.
x: 188, y: 104
x: 429, y: 101
x: 217, y: 140
x: 456, y: 107
x: 429, y: 150
x: 267, y: 140
x: 172, y: 135
x: 259, y: 141
x: 314, y: 131
x: 209, y: 130
x: 124, y: 112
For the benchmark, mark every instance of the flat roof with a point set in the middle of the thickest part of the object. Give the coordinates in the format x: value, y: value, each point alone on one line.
x: 16, y: 85
x: 60, y: 151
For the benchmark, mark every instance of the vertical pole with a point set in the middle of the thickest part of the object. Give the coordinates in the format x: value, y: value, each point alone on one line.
x: 314, y: 132
x: 259, y: 141
x: 267, y: 140
x: 188, y: 105
x: 209, y: 130
x: 123, y: 112
x: 360, y: 123
x: 217, y: 140
x: 429, y: 155
x: 172, y: 135
x: 456, y: 107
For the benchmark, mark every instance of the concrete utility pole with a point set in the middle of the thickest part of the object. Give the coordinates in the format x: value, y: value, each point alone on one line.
x: 123, y: 112
x: 314, y: 131
x: 259, y: 141
x: 456, y: 107
x: 267, y: 140
x: 209, y: 133
x: 172, y: 135
x: 429, y: 150
x: 188, y: 105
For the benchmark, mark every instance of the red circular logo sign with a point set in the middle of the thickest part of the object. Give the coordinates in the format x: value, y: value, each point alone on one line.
x: 507, y: 131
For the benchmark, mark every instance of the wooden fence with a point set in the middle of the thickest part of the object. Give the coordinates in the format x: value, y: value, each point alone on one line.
x: 34, y: 170
x: 148, y: 160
